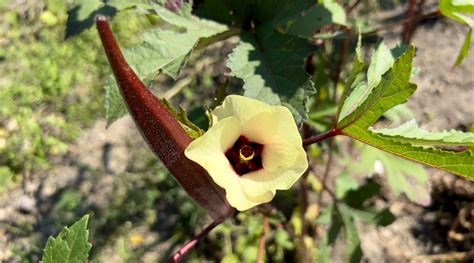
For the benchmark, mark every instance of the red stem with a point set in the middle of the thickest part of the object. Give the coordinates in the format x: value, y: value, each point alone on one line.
x: 162, y: 131
x: 263, y: 240
x: 322, y: 136
x: 179, y: 255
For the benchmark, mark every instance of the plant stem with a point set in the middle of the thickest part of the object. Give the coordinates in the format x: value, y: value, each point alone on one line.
x: 414, y: 9
x: 353, y: 6
x: 435, y: 13
x: 178, y: 256
x: 263, y: 240
x: 321, y: 137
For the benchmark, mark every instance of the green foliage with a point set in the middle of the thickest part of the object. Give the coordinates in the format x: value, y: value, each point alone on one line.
x: 240, y: 13
x: 270, y: 64
x: 402, y: 175
x: 410, y: 132
x: 394, y: 89
x: 182, y: 116
x: 70, y: 246
x: 457, y: 11
x: 317, y: 17
x: 156, y: 54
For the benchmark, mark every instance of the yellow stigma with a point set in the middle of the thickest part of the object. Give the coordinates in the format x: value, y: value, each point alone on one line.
x: 246, y: 153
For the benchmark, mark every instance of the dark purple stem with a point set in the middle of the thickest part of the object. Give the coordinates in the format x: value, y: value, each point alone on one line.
x: 322, y: 136
x: 179, y: 255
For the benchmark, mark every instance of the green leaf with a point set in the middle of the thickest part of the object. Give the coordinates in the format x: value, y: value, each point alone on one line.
x: 460, y: 163
x: 271, y: 65
x: 114, y: 105
x: 402, y: 175
x: 317, y: 17
x: 454, y: 9
x: 411, y: 133
x: 70, y: 246
x: 381, y: 61
x: 394, y: 88
x: 162, y: 50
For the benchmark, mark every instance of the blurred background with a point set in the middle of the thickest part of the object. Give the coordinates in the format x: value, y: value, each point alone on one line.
x: 58, y: 161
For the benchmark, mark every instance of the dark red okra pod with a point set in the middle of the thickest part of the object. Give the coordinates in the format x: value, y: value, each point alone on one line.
x: 162, y: 131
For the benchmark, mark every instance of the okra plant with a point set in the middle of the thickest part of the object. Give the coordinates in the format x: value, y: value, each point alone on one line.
x: 305, y: 84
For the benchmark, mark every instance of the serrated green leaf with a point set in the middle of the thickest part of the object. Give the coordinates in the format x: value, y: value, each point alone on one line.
x: 382, y: 59
x: 402, y: 175
x: 317, y: 17
x: 271, y: 65
x: 393, y: 89
x: 411, y: 133
x: 460, y: 163
x: 114, y: 105
x: 454, y: 9
x: 70, y: 246
x: 166, y: 50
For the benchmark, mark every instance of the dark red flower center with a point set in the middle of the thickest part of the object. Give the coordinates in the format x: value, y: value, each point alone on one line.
x: 245, y: 156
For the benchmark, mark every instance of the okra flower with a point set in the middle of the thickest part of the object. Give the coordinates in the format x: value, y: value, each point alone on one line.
x: 252, y: 150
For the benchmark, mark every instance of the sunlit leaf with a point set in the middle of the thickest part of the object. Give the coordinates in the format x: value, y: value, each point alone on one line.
x: 70, y: 246
x: 411, y: 133
x: 164, y: 50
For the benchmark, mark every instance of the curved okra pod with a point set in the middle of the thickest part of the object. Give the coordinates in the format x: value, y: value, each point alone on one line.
x: 162, y: 131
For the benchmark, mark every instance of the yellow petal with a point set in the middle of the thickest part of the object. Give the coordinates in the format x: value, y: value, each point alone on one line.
x: 258, y: 182
x: 285, y: 144
x: 240, y: 107
x: 242, y: 202
x: 209, y: 150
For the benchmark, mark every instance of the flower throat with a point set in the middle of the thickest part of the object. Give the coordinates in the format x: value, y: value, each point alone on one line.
x: 245, y: 156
